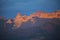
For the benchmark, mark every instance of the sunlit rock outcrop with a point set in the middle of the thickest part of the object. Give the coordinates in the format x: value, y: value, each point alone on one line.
x: 9, y: 21
x: 17, y: 20
x: 55, y: 14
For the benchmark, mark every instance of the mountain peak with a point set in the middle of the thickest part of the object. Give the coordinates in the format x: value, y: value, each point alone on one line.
x: 18, y: 20
x: 9, y: 21
x: 18, y: 15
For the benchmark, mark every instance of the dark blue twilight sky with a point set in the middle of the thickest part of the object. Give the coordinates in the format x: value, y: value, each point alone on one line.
x: 9, y: 8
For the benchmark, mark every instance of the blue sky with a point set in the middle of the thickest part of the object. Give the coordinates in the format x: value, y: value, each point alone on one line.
x: 9, y: 8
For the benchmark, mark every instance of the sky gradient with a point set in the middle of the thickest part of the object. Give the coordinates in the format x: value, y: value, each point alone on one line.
x: 9, y: 8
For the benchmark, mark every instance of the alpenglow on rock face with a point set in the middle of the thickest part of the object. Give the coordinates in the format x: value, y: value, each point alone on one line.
x: 18, y: 20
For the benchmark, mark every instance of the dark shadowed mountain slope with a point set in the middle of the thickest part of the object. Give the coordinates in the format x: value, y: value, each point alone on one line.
x: 33, y: 27
x: 44, y: 29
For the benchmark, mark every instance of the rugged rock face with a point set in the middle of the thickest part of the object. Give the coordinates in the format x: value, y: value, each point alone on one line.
x: 9, y: 21
x: 18, y: 20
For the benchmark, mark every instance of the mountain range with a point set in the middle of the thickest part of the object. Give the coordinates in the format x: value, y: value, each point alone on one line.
x: 37, y: 26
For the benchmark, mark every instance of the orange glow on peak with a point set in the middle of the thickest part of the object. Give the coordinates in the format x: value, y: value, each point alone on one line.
x: 18, y: 20
x: 9, y: 21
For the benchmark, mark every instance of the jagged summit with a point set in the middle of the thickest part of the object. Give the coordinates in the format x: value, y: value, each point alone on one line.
x: 18, y: 15
x: 18, y: 20
x: 9, y: 21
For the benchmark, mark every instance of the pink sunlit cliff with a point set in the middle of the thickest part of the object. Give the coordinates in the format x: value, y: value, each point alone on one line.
x: 18, y: 20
